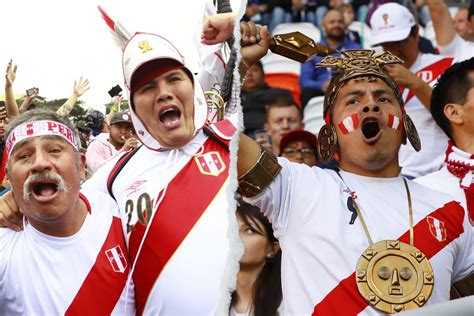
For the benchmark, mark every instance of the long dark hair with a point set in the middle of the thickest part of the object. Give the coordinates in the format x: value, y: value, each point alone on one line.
x: 267, y: 294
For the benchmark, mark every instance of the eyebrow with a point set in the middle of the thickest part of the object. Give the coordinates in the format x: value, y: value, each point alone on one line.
x: 48, y: 138
x: 361, y: 92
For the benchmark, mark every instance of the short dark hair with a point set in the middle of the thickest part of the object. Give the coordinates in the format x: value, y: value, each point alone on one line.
x: 282, y: 101
x: 452, y: 87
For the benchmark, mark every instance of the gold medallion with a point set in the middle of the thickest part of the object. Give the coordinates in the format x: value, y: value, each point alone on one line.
x: 393, y: 276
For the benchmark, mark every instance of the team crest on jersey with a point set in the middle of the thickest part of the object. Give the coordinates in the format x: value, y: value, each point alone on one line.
x: 425, y: 75
x: 117, y: 259
x: 210, y: 163
x: 437, y: 228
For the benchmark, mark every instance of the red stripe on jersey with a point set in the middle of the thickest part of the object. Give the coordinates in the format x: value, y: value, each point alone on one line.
x: 435, y: 70
x: 187, y: 197
x: 102, y: 287
x: 452, y: 214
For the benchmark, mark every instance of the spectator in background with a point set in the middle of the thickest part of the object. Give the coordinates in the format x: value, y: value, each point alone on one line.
x: 462, y: 24
x: 449, y: 42
x: 288, y: 11
x: 283, y: 116
x: 96, y: 122
x: 108, y: 145
x: 348, y: 14
x: 79, y: 88
x: 452, y: 106
x: 258, y: 291
x: 255, y: 94
x: 395, y: 29
x: 299, y: 146
x: 314, y: 81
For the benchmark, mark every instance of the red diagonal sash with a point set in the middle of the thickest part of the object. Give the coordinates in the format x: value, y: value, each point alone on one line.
x: 103, y: 286
x: 187, y: 197
x: 436, y: 70
x: 346, y: 292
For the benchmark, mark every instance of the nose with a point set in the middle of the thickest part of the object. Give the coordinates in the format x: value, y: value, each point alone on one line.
x: 41, y: 163
x: 164, y: 93
x: 395, y: 277
x: 285, y: 124
x: 371, y: 107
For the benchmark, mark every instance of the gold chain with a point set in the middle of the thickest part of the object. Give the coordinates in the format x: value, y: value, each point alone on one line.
x: 410, y: 210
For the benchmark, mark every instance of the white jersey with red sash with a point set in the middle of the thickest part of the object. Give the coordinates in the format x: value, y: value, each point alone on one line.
x: 456, y: 178
x: 433, y: 140
x: 179, y: 269
x: 84, y: 274
x: 308, y: 210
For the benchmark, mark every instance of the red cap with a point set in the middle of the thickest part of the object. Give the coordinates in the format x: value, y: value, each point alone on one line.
x: 297, y: 135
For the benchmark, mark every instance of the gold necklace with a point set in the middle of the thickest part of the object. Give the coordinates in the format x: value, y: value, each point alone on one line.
x: 393, y: 276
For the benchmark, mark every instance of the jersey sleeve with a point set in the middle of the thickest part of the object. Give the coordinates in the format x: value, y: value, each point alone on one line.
x: 291, y: 196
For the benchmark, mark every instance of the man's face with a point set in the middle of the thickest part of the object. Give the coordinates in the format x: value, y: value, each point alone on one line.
x: 461, y: 23
x: 300, y: 151
x: 45, y: 174
x: 254, y: 79
x: 119, y: 132
x: 282, y: 120
x: 372, y: 146
x: 406, y: 50
x: 334, y: 26
x: 165, y: 105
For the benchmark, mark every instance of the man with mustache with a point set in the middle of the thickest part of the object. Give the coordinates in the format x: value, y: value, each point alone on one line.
x: 360, y: 239
x: 71, y: 256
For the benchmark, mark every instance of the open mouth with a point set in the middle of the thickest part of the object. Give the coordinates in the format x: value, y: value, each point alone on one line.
x: 371, y: 130
x: 170, y: 116
x: 44, y: 189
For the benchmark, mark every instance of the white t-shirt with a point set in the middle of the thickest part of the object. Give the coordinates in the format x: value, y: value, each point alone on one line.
x: 433, y: 140
x: 194, y: 280
x: 85, y: 273
x: 308, y: 211
x: 459, y: 48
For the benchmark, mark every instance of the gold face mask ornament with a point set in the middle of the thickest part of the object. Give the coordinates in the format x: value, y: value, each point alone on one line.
x: 358, y: 63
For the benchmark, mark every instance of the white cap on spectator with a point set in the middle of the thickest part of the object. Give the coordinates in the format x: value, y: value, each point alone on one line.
x: 391, y: 22
x: 139, y: 59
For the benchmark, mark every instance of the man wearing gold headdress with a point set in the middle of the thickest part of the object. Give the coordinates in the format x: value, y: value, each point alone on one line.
x: 359, y: 239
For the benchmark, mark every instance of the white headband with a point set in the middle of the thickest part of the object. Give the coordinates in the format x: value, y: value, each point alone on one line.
x: 38, y: 128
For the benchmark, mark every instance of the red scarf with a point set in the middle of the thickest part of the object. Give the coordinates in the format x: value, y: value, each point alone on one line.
x: 461, y: 165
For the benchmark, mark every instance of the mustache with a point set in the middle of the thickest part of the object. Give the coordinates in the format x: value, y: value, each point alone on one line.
x: 43, y: 176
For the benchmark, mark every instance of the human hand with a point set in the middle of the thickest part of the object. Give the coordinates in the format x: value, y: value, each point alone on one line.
x: 130, y: 143
x: 10, y: 74
x: 217, y: 28
x: 80, y: 87
x: 403, y: 76
x: 254, y: 42
x: 10, y: 215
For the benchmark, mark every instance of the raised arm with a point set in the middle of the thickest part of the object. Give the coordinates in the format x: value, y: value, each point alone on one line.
x: 115, y: 108
x: 442, y: 22
x: 217, y: 28
x: 10, y: 103
x: 80, y: 87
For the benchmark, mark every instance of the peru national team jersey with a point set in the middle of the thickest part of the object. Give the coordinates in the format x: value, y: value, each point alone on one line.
x: 433, y: 140
x: 184, y: 264
x: 308, y: 211
x: 84, y: 274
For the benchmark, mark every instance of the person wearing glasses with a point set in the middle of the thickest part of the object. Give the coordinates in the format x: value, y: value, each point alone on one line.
x: 299, y: 146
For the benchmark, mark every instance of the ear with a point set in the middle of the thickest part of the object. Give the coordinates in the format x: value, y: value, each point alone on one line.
x: 83, y: 166
x: 274, y: 248
x: 454, y: 113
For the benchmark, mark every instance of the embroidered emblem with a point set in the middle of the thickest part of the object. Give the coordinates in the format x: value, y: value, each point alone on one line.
x: 117, y: 259
x: 437, y: 228
x: 210, y: 163
x: 144, y: 46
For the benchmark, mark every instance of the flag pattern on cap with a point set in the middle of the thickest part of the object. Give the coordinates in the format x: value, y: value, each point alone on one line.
x: 349, y: 124
x: 394, y: 122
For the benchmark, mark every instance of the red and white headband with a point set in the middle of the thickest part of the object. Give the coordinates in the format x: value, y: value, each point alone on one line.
x: 39, y: 128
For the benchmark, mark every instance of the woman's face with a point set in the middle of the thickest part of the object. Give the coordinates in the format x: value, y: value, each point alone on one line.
x: 257, y: 248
